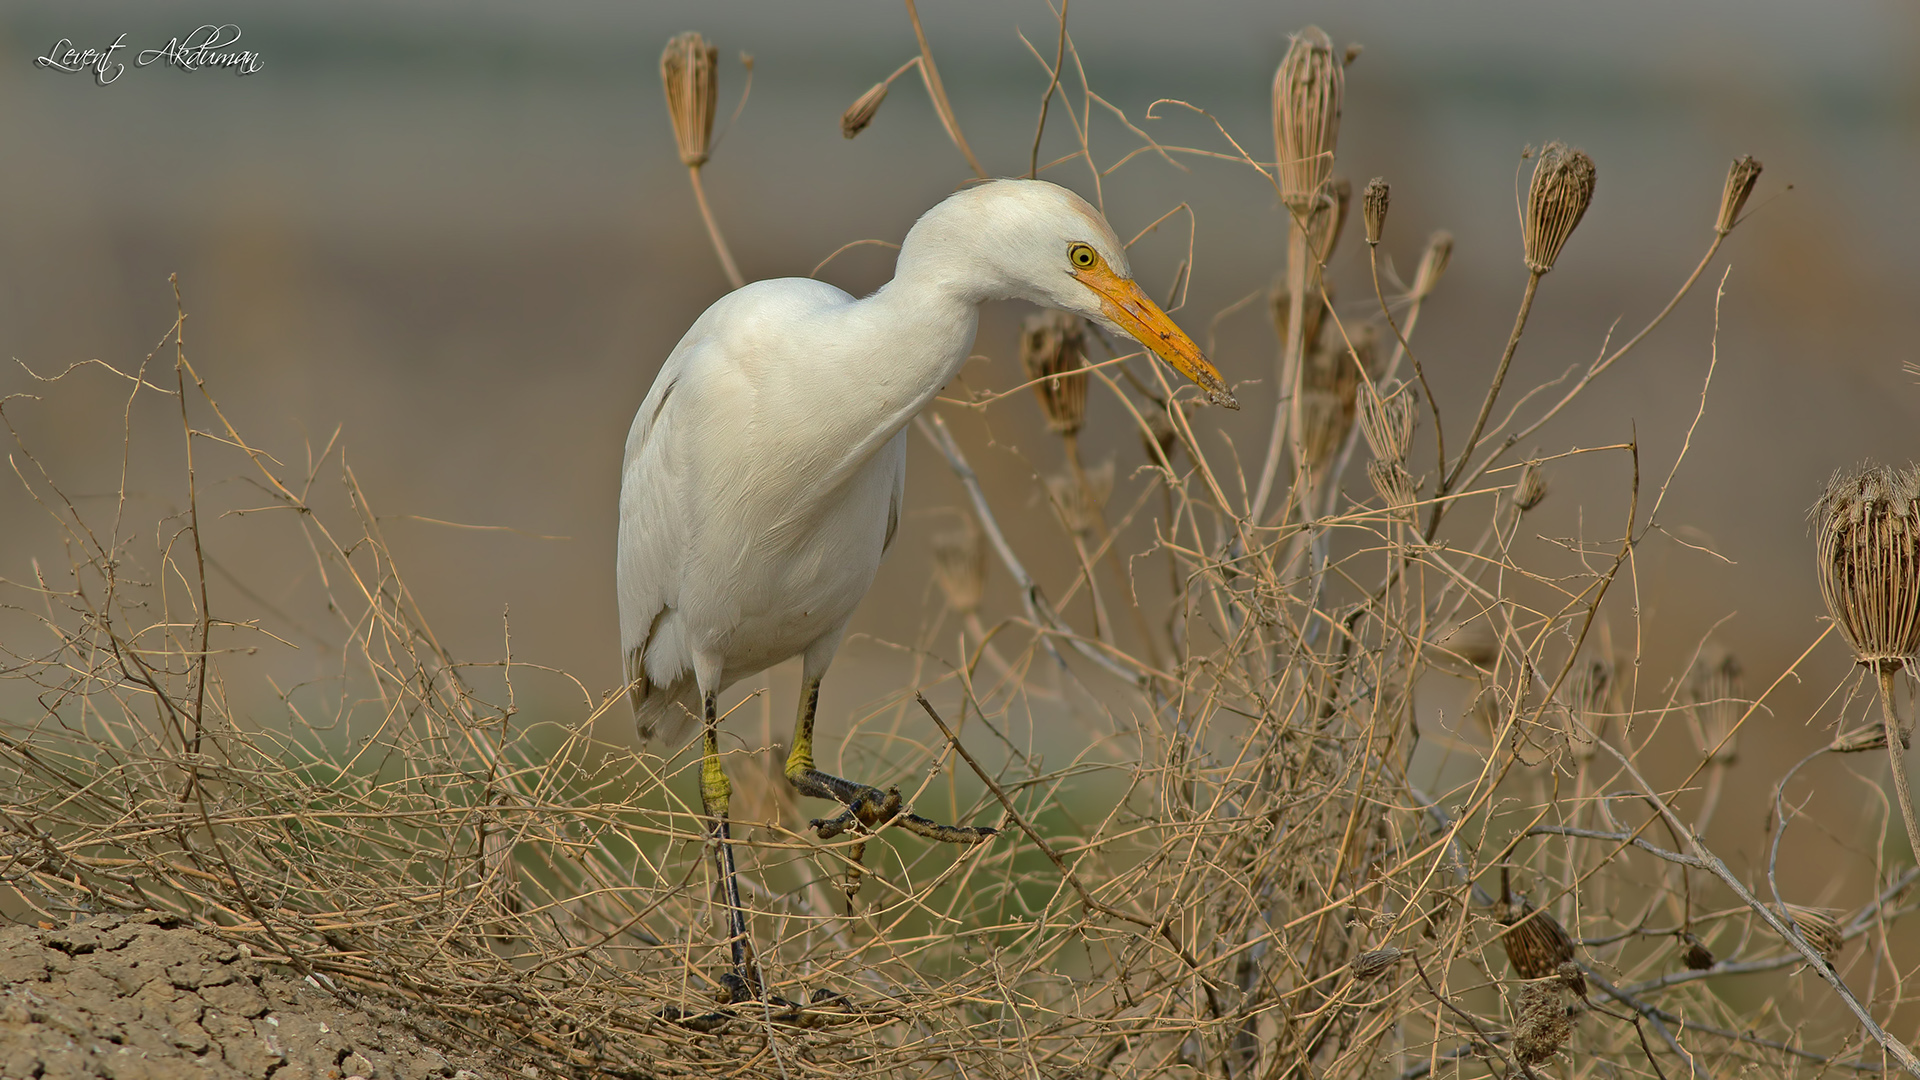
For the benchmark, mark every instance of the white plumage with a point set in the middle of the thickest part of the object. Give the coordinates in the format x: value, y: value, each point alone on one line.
x: 766, y: 468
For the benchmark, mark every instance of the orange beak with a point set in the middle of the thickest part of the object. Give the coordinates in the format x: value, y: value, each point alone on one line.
x: 1122, y: 300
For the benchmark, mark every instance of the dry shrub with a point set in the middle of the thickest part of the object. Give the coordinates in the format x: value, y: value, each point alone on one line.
x: 1240, y: 877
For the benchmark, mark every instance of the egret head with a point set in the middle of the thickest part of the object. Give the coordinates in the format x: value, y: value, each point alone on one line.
x: 1032, y: 240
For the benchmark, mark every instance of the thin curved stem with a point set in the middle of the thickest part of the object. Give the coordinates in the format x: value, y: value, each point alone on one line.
x: 1896, y: 755
x: 1493, y: 389
x: 713, y: 230
x: 938, y: 92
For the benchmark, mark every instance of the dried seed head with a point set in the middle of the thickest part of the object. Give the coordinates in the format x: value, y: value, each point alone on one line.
x: 1396, y: 487
x: 1557, y: 199
x: 1695, y: 954
x: 861, y: 112
x: 1433, y: 264
x: 1375, y: 962
x: 1328, y: 221
x: 1531, y: 488
x: 1817, y: 925
x: 1387, y: 419
x: 1871, y: 737
x: 1373, y: 207
x: 1280, y: 305
x: 689, y: 68
x: 1329, y: 384
x: 1079, y: 507
x: 1306, y: 116
x: 1543, y: 1023
x: 1053, y: 348
x: 1536, y: 943
x: 1869, y: 561
x: 960, y: 566
x: 1740, y: 180
x: 1713, y: 702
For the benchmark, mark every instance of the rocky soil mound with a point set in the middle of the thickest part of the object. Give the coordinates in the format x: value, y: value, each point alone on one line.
x: 144, y: 998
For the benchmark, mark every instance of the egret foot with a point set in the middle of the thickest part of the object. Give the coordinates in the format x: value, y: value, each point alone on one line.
x: 867, y: 808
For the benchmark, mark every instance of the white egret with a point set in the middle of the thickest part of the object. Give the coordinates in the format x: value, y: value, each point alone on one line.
x: 765, y: 470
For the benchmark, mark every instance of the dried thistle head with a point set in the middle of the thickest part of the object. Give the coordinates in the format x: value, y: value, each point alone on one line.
x: 1329, y: 384
x: 960, y: 567
x: 1375, y: 962
x: 861, y: 112
x: 1395, y: 485
x: 690, y: 71
x: 1713, y: 702
x: 1306, y: 116
x: 1373, y: 209
x: 1741, y: 177
x: 1869, y: 561
x: 1557, y: 199
x: 1313, y: 317
x: 1433, y: 264
x: 1531, y: 489
x: 1543, y: 1023
x: 1387, y: 419
x: 1818, y: 925
x: 1080, y: 506
x: 1053, y: 349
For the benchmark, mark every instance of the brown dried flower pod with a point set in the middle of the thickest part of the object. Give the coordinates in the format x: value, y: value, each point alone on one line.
x: 1695, y: 954
x: 1387, y: 419
x: 960, y: 567
x: 1053, y: 348
x: 1433, y: 264
x: 1375, y: 962
x: 1535, y: 941
x: 689, y: 69
x: 1713, y: 703
x: 1740, y: 180
x: 861, y: 112
x: 1543, y: 1023
x: 1870, y: 737
x: 1531, y: 489
x: 1869, y: 561
x: 1373, y: 208
x: 1306, y: 116
x: 1817, y: 925
x: 1558, y: 198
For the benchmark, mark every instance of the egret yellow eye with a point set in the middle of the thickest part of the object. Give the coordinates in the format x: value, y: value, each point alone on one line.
x: 1082, y: 256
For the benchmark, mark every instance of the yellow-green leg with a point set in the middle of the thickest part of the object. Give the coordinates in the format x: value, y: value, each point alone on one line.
x: 865, y: 805
x: 715, y: 796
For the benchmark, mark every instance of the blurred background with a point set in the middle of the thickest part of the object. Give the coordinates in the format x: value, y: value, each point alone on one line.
x: 459, y: 235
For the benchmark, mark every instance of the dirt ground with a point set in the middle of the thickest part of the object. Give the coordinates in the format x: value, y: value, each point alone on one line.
x: 143, y: 998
